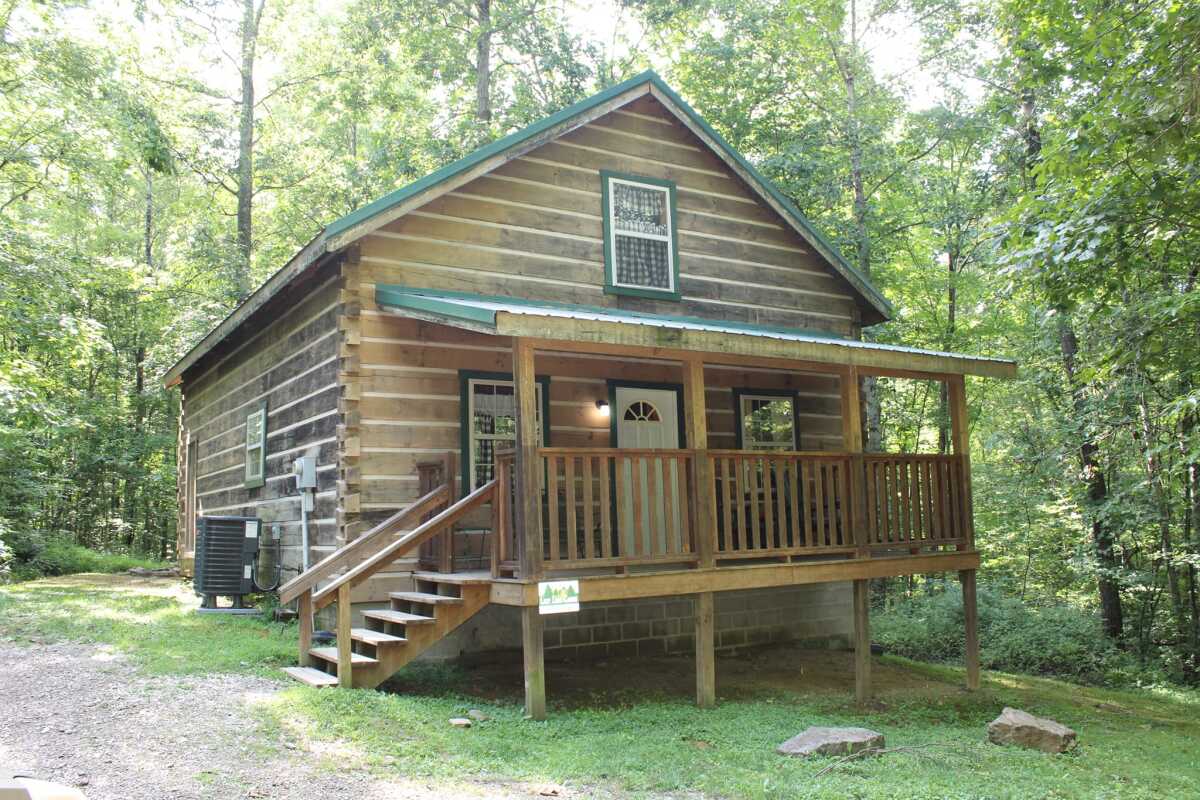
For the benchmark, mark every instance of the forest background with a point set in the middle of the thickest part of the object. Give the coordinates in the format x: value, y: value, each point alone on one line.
x: 1020, y: 177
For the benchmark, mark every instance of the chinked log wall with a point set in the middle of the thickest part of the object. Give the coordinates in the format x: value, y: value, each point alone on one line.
x: 292, y: 362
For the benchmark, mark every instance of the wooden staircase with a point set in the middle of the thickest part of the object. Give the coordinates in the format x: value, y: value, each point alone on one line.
x: 414, y: 621
x: 394, y: 636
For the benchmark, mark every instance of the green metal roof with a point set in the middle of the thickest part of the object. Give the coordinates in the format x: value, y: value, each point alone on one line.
x: 823, y: 245
x: 480, y: 311
x: 481, y: 308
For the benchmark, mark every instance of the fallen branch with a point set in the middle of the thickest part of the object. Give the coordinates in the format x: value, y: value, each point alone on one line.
x: 877, y: 751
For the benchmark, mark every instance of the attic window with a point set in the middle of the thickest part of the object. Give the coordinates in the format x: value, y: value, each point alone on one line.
x: 640, y: 251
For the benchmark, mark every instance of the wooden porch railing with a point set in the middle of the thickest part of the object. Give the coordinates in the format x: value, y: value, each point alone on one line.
x: 616, y: 508
x: 782, y: 503
x: 915, y: 500
x: 605, y: 507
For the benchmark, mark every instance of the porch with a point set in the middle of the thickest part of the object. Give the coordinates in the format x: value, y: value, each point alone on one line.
x: 633, y: 522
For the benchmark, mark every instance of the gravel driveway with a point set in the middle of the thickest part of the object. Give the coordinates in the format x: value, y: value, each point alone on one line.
x: 80, y: 715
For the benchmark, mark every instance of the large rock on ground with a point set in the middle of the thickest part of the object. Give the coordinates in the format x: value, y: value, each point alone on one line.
x: 1018, y: 727
x: 815, y: 741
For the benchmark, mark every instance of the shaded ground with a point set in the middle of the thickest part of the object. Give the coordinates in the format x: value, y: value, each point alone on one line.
x: 741, y: 676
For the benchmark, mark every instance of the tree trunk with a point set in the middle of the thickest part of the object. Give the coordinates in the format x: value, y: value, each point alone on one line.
x: 952, y: 320
x: 245, y: 165
x: 483, y: 58
x: 1097, y: 489
x: 848, y: 66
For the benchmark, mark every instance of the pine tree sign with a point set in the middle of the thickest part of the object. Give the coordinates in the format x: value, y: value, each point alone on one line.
x: 558, y: 597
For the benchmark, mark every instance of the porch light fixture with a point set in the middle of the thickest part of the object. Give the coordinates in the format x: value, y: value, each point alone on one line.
x: 602, y: 407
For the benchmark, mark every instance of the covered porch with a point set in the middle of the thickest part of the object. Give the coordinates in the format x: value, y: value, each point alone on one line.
x: 693, y: 519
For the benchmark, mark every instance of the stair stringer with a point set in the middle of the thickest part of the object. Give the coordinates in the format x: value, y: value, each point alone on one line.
x: 420, y: 638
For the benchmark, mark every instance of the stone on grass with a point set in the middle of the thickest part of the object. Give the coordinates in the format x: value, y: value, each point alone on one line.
x: 477, y: 715
x: 816, y: 741
x: 1018, y: 727
x: 461, y: 722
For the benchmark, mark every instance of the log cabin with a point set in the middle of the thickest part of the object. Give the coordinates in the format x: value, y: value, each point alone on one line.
x: 601, y: 359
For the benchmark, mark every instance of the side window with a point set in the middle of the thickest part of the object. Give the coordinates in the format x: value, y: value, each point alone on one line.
x: 640, y: 249
x: 768, y: 423
x: 256, y: 446
x: 492, y: 421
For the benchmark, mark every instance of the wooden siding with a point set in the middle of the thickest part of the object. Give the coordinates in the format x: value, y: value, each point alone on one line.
x: 292, y: 363
x: 532, y: 228
x: 410, y: 401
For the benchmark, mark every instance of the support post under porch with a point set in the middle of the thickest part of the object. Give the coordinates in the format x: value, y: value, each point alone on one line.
x: 862, y: 642
x: 706, y: 651
x: 971, y: 624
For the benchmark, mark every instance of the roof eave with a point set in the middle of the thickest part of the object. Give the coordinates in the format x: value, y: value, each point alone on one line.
x: 308, y: 256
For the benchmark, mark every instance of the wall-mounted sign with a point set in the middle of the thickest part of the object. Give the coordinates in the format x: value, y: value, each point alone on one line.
x: 558, y: 597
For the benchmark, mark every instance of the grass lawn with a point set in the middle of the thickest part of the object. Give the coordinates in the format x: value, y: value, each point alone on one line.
x: 628, y: 728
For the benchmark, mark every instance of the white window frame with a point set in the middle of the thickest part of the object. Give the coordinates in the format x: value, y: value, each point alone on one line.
x: 256, y: 450
x: 743, y: 414
x: 613, y: 233
x: 473, y: 437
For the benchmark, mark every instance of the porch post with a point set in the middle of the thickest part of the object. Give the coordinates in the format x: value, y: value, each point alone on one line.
x: 862, y: 642
x: 956, y: 392
x: 528, y: 512
x: 696, y: 425
x: 852, y: 443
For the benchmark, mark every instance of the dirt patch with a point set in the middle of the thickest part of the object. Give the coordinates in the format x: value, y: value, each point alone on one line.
x: 740, y: 676
x: 82, y: 716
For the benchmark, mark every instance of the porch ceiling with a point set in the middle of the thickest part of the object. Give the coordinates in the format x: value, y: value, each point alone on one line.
x: 593, y: 325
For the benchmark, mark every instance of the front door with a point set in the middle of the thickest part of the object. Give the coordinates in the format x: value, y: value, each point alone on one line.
x: 647, y: 419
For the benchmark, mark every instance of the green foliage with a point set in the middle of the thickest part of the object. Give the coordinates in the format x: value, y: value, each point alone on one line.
x: 63, y: 557
x: 1057, y: 640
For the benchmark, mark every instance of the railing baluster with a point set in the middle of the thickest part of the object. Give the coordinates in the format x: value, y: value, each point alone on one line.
x: 739, y: 498
x: 793, y: 479
x: 670, y: 535
x: 686, y: 474
x: 589, y: 531
x: 635, y: 480
x: 768, y: 540
x: 780, y: 490
x: 571, y: 527
x: 725, y: 540
x: 552, y: 505
x: 606, y: 526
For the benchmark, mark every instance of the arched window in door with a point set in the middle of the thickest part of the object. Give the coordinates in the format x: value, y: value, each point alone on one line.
x: 641, y: 411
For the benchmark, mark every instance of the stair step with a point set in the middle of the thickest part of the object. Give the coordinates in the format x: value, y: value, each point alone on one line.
x: 311, y: 676
x: 459, y: 578
x: 368, y: 636
x: 331, y: 654
x: 426, y: 597
x: 398, y: 617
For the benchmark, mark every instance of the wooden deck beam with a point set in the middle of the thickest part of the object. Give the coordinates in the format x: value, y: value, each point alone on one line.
x: 596, y: 588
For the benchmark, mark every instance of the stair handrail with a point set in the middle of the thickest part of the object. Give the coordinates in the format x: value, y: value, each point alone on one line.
x: 358, y: 549
x: 405, y: 544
